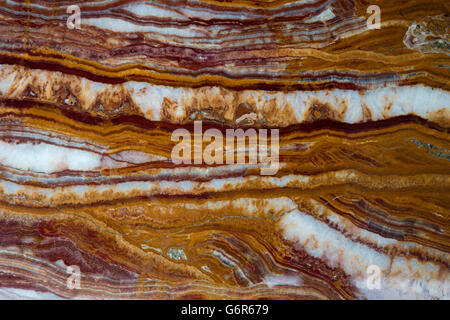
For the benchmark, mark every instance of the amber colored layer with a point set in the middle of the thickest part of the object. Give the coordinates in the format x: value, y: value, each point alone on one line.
x: 388, y: 178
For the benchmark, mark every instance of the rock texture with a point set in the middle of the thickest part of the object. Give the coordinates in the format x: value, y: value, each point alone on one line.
x: 87, y: 180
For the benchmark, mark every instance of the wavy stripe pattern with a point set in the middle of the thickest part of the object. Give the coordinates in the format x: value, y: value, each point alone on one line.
x: 86, y: 171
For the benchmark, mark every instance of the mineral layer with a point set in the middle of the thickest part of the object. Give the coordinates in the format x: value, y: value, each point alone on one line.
x: 92, y: 205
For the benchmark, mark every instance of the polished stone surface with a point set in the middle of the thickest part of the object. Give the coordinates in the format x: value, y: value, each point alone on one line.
x: 87, y: 180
